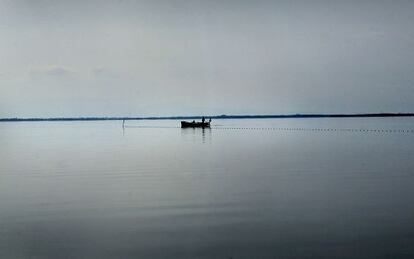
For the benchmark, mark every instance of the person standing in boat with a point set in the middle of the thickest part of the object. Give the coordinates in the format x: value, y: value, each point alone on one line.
x: 203, y: 119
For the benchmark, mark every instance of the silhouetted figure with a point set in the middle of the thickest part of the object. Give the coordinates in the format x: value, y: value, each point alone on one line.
x: 203, y: 119
x: 209, y: 120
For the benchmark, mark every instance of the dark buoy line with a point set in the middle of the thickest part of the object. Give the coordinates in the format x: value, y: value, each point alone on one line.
x: 318, y: 129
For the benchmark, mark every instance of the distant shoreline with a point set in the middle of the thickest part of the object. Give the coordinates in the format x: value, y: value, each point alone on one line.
x: 363, y: 115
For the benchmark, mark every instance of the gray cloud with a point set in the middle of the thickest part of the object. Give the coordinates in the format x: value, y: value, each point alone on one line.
x: 102, y: 72
x: 52, y: 71
x: 187, y: 57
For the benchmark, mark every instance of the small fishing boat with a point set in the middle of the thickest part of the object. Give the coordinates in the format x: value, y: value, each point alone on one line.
x: 194, y: 124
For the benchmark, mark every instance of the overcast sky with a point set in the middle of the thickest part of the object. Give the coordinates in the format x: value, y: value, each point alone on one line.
x: 184, y: 57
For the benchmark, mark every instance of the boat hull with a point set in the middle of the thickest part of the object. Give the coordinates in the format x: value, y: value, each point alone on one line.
x: 186, y: 124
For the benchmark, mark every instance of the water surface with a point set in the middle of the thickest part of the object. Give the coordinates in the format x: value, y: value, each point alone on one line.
x: 270, y: 188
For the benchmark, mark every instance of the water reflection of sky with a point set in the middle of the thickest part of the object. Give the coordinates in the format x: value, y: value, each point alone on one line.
x: 242, y: 189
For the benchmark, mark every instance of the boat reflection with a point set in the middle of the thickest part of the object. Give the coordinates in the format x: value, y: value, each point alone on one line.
x: 196, y: 135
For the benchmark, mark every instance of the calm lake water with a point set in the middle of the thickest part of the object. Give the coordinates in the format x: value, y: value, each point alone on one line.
x: 270, y: 188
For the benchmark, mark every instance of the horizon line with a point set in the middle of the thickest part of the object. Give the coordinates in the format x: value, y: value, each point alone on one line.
x: 223, y: 116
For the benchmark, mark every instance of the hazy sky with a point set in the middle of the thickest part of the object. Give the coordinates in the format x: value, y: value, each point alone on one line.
x: 109, y: 58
